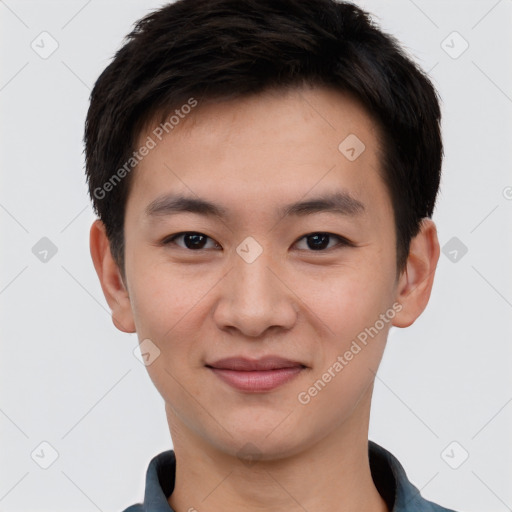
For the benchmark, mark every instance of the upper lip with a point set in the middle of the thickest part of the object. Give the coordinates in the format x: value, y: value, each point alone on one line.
x: 247, y: 364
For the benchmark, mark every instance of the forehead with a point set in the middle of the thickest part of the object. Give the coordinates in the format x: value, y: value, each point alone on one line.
x: 262, y: 153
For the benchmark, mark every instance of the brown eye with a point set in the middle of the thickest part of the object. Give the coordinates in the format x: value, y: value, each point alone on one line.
x: 320, y: 241
x: 191, y: 240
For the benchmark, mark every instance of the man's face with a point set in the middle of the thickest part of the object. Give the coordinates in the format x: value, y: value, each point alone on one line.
x: 259, y: 282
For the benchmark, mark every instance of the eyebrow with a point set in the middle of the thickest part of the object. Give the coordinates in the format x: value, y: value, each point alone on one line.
x: 341, y: 203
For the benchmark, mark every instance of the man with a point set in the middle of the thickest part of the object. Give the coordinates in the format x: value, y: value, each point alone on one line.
x: 265, y: 174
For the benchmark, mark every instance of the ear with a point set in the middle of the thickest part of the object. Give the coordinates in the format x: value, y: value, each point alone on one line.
x: 110, y: 278
x: 415, y: 282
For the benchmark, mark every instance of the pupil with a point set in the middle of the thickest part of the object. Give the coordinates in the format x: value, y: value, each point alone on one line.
x: 324, y: 241
x: 196, y: 239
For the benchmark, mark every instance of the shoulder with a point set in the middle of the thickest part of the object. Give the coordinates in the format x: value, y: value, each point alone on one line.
x: 395, y: 487
x: 160, y: 478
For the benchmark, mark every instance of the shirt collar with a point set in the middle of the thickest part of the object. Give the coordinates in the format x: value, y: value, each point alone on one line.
x: 388, y: 475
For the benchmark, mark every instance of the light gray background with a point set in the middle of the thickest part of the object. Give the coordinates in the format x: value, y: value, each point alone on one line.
x: 69, y: 378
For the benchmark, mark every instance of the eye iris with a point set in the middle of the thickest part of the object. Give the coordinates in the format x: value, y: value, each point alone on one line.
x: 198, y: 241
x: 321, y: 239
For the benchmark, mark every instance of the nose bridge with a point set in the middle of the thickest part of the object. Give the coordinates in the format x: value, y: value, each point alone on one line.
x: 255, y: 285
x: 254, y: 299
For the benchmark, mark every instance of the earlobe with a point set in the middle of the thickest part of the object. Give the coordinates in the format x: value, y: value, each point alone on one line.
x: 415, y: 283
x: 109, y: 275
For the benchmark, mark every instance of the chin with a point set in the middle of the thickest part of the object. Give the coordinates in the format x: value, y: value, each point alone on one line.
x: 250, y: 444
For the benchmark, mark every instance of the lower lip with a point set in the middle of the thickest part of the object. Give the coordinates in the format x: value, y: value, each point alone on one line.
x: 257, y: 381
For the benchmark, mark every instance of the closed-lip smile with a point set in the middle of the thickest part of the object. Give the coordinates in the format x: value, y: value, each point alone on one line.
x: 256, y: 375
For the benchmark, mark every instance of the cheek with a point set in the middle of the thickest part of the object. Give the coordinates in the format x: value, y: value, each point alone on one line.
x: 348, y: 357
x: 166, y: 308
x: 163, y: 298
x: 349, y: 299
x: 169, y: 305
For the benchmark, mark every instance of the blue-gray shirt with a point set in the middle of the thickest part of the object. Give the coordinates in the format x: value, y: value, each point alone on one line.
x: 387, y: 473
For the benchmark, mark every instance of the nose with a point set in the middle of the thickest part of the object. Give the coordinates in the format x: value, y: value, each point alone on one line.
x: 255, y: 298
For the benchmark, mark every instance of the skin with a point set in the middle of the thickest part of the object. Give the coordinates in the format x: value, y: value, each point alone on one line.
x: 252, y: 156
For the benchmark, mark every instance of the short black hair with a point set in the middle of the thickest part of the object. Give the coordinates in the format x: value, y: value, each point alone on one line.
x: 206, y: 50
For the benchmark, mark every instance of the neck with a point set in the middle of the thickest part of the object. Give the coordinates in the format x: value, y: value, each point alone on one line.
x: 331, y: 474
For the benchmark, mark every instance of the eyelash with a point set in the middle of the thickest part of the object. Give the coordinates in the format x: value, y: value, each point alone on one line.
x: 342, y: 242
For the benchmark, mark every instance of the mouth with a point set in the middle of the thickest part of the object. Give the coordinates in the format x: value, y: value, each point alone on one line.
x: 256, y: 375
